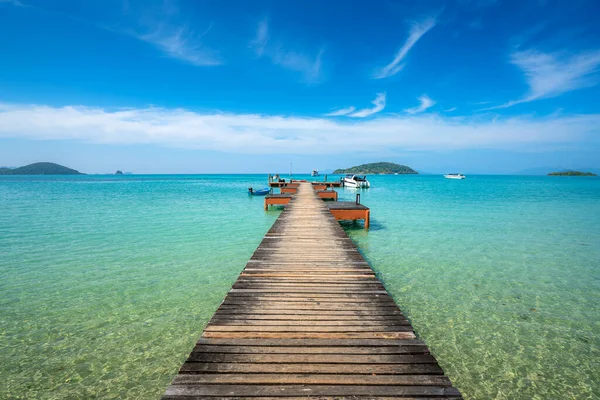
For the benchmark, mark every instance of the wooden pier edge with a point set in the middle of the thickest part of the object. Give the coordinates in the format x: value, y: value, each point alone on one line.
x: 308, y: 318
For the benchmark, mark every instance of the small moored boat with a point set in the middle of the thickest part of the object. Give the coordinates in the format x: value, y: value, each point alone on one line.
x: 356, y: 181
x: 314, y: 173
x: 454, y: 176
x: 259, y: 192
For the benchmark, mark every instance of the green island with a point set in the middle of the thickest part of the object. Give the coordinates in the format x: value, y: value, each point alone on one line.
x: 571, y: 173
x: 40, y: 168
x: 378, y: 168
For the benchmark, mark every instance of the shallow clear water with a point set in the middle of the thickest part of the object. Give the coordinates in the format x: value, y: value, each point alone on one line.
x: 106, y: 282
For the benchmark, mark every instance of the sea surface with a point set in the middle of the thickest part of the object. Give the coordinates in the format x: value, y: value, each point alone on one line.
x: 106, y: 282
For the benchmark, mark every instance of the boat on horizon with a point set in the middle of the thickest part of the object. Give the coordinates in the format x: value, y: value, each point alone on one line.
x: 454, y: 176
x: 314, y: 173
x: 356, y: 181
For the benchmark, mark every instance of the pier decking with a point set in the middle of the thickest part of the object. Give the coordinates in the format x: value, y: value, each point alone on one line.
x: 307, y: 318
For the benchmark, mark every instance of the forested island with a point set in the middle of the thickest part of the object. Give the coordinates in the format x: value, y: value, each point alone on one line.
x: 377, y: 168
x: 571, y: 173
x: 40, y: 168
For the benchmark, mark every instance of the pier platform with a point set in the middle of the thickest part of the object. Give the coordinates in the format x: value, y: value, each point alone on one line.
x: 308, y: 319
x: 290, y: 190
x: 328, y: 194
x: 327, y: 184
x: 277, y: 199
x: 350, y: 210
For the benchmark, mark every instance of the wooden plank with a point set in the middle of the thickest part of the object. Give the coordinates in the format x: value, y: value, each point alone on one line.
x: 213, y: 327
x: 303, y: 390
x: 293, y: 368
x: 311, y: 379
x: 312, y: 342
x: 422, y: 349
x: 304, y: 318
x: 357, y: 313
x: 307, y: 335
x: 249, y: 322
x: 313, y: 358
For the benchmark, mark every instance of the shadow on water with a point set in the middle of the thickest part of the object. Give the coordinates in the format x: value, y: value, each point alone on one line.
x: 355, y: 227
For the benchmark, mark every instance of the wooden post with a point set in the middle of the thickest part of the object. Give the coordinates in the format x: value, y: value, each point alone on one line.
x: 367, y: 219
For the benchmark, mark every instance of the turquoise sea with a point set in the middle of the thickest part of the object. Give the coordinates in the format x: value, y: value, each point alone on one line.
x: 107, y: 281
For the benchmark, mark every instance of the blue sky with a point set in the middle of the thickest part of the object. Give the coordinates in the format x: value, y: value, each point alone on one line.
x: 479, y: 86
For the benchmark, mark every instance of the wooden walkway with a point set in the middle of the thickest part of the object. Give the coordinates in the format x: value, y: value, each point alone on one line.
x: 307, y: 318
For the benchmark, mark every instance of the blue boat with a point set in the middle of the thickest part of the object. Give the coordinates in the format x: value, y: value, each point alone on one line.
x: 259, y: 192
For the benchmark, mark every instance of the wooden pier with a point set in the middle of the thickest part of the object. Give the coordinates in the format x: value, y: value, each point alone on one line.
x: 307, y: 318
x: 327, y: 184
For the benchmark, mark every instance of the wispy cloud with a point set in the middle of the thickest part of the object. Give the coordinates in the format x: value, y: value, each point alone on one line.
x: 417, y: 30
x: 425, y: 103
x: 451, y: 109
x: 259, y: 43
x: 552, y: 74
x: 378, y: 105
x: 265, y: 134
x: 182, y: 44
x: 309, y: 66
x: 340, y: 112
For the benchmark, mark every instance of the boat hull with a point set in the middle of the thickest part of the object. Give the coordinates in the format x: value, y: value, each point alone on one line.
x: 260, y: 192
x: 454, y: 176
x: 357, y: 185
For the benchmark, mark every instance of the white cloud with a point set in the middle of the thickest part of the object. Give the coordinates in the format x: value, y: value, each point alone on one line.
x: 266, y: 134
x: 417, y: 30
x: 341, y: 111
x: 259, y: 43
x: 307, y: 65
x: 451, y: 109
x: 181, y: 43
x: 378, y: 105
x: 552, y: 74
x: 425, y: 103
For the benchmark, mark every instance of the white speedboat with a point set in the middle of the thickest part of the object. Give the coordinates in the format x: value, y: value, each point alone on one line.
x: 314, y: 172
x: 356, y: 181
x: 454, y: 176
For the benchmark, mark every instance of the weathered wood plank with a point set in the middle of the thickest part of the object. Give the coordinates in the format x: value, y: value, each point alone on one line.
x: 215, y: 327
x: 304, y: 390
x: 293, y: 368
x: 312, y: 379
x: 313, y: 358
x: 306, y: 335
x: 203, y: 348
x: 312, y: 342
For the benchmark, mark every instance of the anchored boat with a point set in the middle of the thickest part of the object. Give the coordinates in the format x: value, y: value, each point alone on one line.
x: 356, y: 181
x: 259, y: 192
x: 454, y: 176
x: 314, y: 172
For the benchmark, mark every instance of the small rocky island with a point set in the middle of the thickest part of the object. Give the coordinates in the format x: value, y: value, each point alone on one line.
x: 380, y: 168
x: 40, y: 168
x: 571, y: 173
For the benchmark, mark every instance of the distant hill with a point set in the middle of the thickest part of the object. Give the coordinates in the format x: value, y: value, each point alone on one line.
x: 40, y: 168
x: 571, y: 173
x: 377, y: 168
x: 547, y: 170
